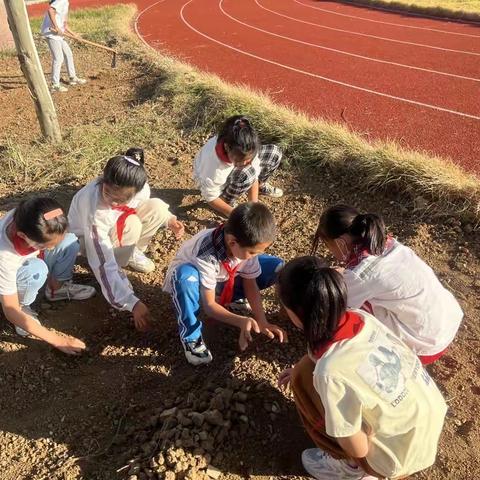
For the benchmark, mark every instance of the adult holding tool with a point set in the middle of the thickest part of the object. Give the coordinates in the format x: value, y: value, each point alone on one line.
x: 54, y: 27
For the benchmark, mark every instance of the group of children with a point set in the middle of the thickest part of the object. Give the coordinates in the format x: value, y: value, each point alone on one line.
x: 361, y: 390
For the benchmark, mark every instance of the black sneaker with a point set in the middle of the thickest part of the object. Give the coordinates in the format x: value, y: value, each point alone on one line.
x: 196, y: 352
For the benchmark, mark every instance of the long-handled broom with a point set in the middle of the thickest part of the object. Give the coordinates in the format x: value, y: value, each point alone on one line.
x: 98, y: 45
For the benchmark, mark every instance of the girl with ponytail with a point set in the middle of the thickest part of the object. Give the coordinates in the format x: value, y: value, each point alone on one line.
x: 232, y: 163
x: 390, y: 281
x: 362, y: 394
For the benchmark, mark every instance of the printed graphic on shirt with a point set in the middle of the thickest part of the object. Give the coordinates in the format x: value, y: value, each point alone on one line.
x: 387, y: 368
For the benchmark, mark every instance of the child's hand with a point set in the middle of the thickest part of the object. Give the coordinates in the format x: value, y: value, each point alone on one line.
x: 69, y: 345
x: 272, y: 331
x: 141, y: 317
x: 245, y: 337
x: 284, y: 378
x: 177, y: 227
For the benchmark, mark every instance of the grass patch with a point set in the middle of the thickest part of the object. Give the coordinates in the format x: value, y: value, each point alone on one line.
x: 456, y: 9
x: 183, y: 106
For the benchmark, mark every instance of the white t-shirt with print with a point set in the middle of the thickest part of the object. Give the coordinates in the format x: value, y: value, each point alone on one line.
x: 406, y: 296
x: 211, y: 173
x: 376, y: 379
x: 10, y: 260
x: 61, y: 13
x: 202, y: 254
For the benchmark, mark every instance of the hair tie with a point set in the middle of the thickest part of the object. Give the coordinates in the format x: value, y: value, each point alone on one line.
x: 131, y: 160
x: 53, y: 214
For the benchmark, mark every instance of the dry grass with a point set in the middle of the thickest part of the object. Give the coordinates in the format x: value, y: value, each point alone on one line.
x: 188, y: 104
x: 456, y: 9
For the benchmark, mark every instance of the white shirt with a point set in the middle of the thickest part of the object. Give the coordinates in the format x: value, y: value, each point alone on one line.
x: 406, y: 296
x: 206, y: 254
x: 210, y: 173
x: 91, y: 219
x: 10, y: 260
x: 61, y: 13
x: 376, y: 379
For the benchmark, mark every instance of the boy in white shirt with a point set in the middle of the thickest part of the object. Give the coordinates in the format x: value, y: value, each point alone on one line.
x: 219, y: 266
x: 53, y: 27
x: 234, y: 163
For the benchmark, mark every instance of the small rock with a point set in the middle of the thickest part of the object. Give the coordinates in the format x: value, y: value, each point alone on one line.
x: 169, y: 475
x: 168, y: 413
x: 213, y: 472
x: 197, y: 418
x: 214, y: 417
x: 240, y: 408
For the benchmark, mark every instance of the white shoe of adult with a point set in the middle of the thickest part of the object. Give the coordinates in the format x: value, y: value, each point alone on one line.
x: 322, y: 466
x: 140, y: 262
x: 70, y: 291
x: 32, y: 313
x: 77, y: 81
x: 56, y: 87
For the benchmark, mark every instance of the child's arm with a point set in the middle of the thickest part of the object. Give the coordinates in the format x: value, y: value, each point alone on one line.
x: 252, y: 293
x: 253, y: 192
x: 216, y: 311
x: 221, y: 206
x: 356, y: 446
x: 14, y: 314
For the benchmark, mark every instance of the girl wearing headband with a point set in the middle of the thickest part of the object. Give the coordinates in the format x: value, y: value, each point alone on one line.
x: 389, y: 280
x: 35, y: 249
x: 115, y: 219
x: 233, y: 163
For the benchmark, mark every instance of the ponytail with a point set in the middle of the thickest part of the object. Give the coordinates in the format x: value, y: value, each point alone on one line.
x: 240, y: 136
x: 367, y: 230
x: 126, y: 171
x: 137, y: 154
x: 316, y: 294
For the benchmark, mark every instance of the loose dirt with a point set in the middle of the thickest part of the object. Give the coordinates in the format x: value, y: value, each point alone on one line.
x: 131, y: 407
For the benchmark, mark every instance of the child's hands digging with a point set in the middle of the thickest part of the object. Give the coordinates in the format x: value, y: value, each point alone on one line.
x: 246, y: 328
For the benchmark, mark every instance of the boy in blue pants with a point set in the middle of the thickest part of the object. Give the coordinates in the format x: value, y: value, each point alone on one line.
x: 218, y: 267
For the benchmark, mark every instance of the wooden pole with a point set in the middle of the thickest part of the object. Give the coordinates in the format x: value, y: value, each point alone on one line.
x: 32, y: 69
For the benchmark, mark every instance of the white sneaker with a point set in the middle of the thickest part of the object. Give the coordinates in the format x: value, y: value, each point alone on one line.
x: 197, y: 353
x: 240, y: 307
x: 77, y: 81
x: 56, y: 87
x: 270, y: 191
x: 140, y: 262
x: 69, y: 291
x: 26, y: 309
x: 322, y: 466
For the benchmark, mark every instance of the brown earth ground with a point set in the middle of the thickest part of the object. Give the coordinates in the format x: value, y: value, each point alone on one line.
x: 99, y: 416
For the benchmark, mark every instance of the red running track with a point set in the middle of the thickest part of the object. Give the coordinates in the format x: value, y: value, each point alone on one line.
x: 412, y: 79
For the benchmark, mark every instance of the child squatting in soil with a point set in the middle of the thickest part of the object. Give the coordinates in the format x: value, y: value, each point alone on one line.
x: 390, y: 281
x: 115, y: 219
x: 233, y: 163
x: 34, y: 249
x: 219, y: 266
x: 363, y: 396
x: 54, y: 27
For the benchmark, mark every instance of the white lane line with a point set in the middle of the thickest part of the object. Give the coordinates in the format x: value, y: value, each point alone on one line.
x: 343, y: 52
x: 310, y: 74
x: 137, y: 18
x: 366, y: 35
x: 332, y: 12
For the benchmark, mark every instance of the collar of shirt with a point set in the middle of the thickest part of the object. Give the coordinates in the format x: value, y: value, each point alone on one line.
x: 221, y: 152
x: 349, y: 326
x: 359, y: 253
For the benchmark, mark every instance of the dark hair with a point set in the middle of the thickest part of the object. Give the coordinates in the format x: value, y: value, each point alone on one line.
x: 137, y: 154
x: 317, y: 294
x: 29, y: 219
x: 368, y: 230
x: 239, y: 135
x: 125, y: 171
x: 251, y: 223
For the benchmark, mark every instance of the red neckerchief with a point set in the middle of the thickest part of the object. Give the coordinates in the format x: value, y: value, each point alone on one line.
x: 227, y: 293
x: 127, y: 211
x: 19, y: 244
x: 349, y: 326
x: 358, y: 253
x: 221, y: 152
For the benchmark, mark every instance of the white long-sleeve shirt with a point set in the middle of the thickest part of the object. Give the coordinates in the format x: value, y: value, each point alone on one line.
x: 91, y: 219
